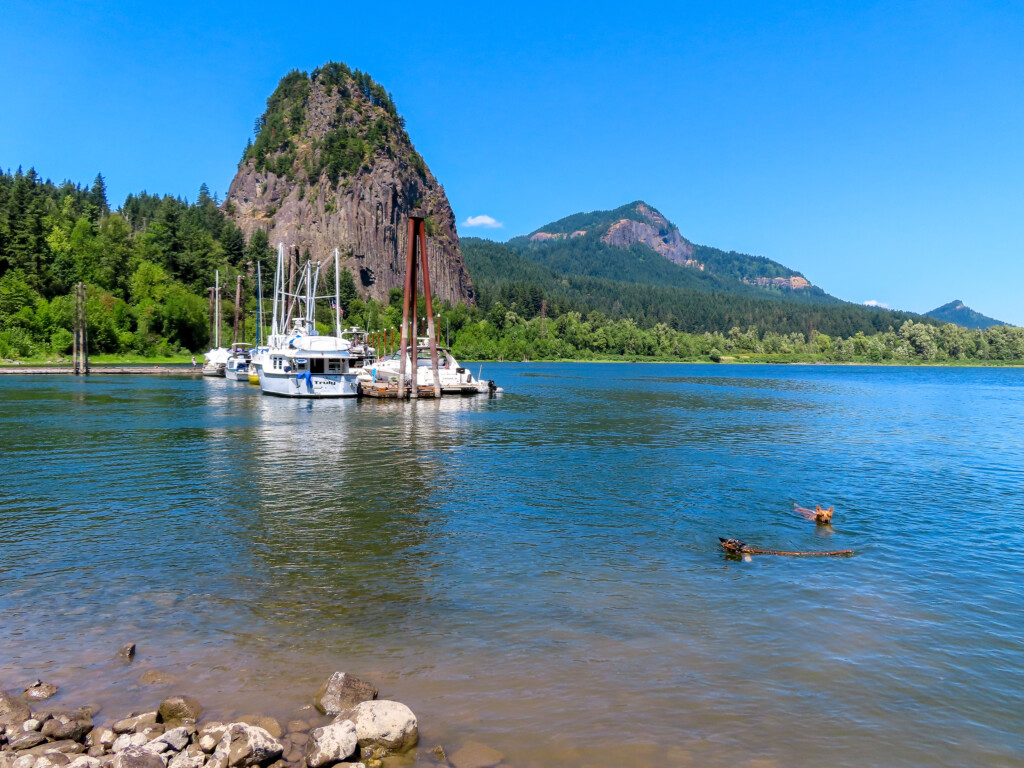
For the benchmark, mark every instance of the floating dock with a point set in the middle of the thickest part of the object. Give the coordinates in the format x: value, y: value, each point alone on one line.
x: 103, y: 370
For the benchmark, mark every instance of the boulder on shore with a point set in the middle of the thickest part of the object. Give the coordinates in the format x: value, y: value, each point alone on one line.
x: 180, y: 709
x: 330, y: 744
x: 243, y: 746
x: 388, y: 724
x: 65, y: 724
x: 342, y: 691
x: 12, y: 709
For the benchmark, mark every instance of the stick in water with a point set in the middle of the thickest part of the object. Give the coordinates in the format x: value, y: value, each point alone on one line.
x: 737, y: 547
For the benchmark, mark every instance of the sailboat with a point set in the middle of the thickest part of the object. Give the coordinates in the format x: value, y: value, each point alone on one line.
x: 216, y: 361
x: 298, y: 361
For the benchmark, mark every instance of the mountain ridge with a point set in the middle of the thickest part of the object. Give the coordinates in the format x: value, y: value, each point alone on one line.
x: 958, y: 313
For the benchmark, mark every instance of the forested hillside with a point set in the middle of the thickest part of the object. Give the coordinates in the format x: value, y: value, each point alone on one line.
x: 501, y: 274
x: 147, y: 266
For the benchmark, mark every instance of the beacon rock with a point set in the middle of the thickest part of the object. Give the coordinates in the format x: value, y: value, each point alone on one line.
x: 333, y: 167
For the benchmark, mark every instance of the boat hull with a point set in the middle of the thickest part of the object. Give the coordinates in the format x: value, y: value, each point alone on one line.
x: 314, y: 385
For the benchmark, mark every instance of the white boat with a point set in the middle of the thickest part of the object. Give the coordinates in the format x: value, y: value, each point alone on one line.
x: 298, y: 361
x: 454, y: 378
x: 237, y: 367
x: 216, y: 361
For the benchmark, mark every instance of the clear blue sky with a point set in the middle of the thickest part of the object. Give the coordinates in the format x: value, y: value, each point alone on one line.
x: 876, y: 147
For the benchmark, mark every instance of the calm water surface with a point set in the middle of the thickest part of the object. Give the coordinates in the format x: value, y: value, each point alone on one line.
x: 540, y: 571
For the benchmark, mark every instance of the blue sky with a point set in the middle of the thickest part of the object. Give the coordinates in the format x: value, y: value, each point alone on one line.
x: 875, y: 147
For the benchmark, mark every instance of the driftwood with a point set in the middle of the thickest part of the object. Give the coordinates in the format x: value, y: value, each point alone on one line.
x: 737, y: 547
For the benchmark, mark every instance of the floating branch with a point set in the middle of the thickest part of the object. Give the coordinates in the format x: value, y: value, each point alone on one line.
x: 737, y: 547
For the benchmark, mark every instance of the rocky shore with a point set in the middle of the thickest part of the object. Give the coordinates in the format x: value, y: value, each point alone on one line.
x: 346, y: 725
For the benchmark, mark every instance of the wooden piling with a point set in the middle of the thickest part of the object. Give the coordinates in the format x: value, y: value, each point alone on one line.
x: 431, y: 330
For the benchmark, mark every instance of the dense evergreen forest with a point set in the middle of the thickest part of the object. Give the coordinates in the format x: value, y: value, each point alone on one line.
x: 148, y: 264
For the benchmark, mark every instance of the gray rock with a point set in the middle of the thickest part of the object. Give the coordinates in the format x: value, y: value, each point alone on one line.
x: 13, y: 709
x: 26, y: 740
x: 100, y: 737
x: 32, y: 724
x: 183, y: 709
x: 7, y: 759
x: 187, y: 759
x: 139, y: 757
x: 388, y: 724
x: 127, y: 652
x: 331, y: 744
x: 133, y: 723
x: 176, y: 739
x: 96, y: 750
x: 207, y: 743
x: 268, y: 724
x: 341, y: 691
x: 475, y: 755
x: 243, y: 746
x: 67, y: 724
x: 25, y: 761
x: 52, y: 760
x: 127, y: 741
x: 38, y: 691
x: 84, y: 761
x: 66, y: 746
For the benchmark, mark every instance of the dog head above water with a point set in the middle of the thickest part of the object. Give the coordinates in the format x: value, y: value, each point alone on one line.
x: 823, y: 516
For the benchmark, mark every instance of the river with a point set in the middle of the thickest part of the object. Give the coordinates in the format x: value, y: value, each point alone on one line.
x: 540, y: 571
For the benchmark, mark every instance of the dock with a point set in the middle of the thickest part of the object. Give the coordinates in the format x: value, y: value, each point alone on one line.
x: 103, y: 370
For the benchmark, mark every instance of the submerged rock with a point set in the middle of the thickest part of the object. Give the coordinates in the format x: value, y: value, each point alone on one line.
x: 155, y: 677
x: 476, y: 755
x: 38, y: 691
x: 388, y: 724
x: 127, y: 652
x: 341, y: 691
x: 331, y: 744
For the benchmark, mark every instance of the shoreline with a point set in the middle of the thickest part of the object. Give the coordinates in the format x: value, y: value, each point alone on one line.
x: 343, y: 724
x: 185, y: 368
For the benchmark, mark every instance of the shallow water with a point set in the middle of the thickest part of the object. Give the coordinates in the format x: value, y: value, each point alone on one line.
x: 540, y: 571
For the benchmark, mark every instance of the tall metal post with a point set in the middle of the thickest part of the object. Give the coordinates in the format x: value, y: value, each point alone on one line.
x: 431, y: 329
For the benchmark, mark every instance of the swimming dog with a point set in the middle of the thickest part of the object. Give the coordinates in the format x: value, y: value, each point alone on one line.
x: 818, y: 515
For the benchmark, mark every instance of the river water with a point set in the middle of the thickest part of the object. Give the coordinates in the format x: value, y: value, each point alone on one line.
x: 540, y: 571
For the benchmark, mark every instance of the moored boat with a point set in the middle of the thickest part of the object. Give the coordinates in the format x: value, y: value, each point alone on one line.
x: 455, y: 379
x: 299, y: 361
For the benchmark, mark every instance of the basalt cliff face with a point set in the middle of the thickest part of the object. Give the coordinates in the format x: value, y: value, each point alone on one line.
x: 333, y: 167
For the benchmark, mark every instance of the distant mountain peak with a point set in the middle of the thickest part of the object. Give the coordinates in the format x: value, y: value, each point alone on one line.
x: 958, y: 313
x: 641, y: 224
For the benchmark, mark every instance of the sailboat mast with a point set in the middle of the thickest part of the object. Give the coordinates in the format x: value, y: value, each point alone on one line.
x: 216, y: 309
x: 259, y: 304
x: 337, y: 297
x: 274, y: 327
